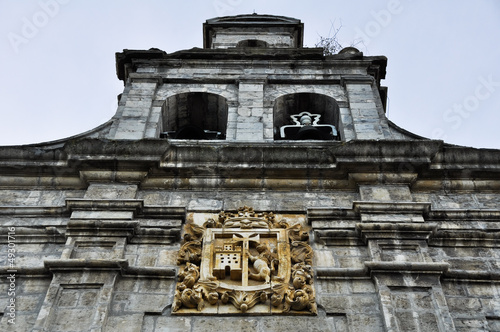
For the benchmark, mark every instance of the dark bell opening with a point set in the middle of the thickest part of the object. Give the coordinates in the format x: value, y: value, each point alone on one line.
x: 190, y: 132
x: 252, y: 43
x: 309, y: 132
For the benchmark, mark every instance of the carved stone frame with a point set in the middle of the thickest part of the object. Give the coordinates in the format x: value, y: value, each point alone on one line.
x: 279, y: 280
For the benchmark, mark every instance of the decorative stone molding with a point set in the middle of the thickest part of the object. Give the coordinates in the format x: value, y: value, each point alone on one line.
x: 257, y: 262
x: 35, y: 234
x: 74, y: 204
x: 356, y: 79
x: 103, y: 228
x: 97, y: 265
x: 391, y: 207
x: 414, y: 267
x: 386, y: 177
x: 114, y: 176
x: 395, y: 231
x: 466, y: 237
x: 32, y: 271
x: 85, y: 264
x: 388, y: 212
x: 332, y: 272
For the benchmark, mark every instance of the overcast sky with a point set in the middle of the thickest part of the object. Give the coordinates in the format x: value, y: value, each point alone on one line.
x: 59, y: 79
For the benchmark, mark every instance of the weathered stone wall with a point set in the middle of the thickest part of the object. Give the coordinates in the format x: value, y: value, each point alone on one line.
x: 32, y: 255
x: 219, y: 200
x: 34, y: 197
x: 349, y: 297
x: 392, y: 250
x: 473, y: 305
x: 30, y: 294
x: 274, y: 39
x: 404, y: 230
x: 133, y: 297
x: 251, y: 100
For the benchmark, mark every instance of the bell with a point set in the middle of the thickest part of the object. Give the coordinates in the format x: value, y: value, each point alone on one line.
x: 190, y: 132
x: 311, y: 133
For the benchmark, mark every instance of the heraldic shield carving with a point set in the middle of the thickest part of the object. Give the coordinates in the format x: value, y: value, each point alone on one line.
x: 245, y: 262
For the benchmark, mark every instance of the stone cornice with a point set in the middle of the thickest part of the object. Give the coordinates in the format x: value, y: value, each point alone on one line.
x: 467, y: 237
x: 77, y: 204
x: 330, y: 215
x: 121, y: 265
x: 31, y: 211
x: 472, y: 275
x: 92, y: 205
x: 102, y: 228
x: 154, y: 162
x: 464, y: 214
x: 386, y: 177
x: 25, y: 271
x: 400, y: 231
x: 356, y: 79
x: 332, y: 272
x: 143, y: 271
x: 391, y: 207
x: 34, y: 234
x: 128, y: 60
x: 406, y: 267
x: 85, y: 264
x: 464, y: 228
x: 412, y: 267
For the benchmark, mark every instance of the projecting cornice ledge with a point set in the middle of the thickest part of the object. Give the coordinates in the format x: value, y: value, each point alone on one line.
x: 466, y: 159
x: 103, y: 228
x: 121, y: 265
x: 75, y: 204
x: 400, y: 231
x: 85, y: 264
x: 393, y: 207
x: 372, y: 267
x: 80, y: 161
x: 27, y: 271
x: 396, y: 155
x: 412, y: 267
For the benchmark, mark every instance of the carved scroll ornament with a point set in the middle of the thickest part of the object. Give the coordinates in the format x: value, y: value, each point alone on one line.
x: 244, y: 259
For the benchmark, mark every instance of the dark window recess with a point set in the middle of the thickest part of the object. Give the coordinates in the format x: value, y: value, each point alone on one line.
x: 306, y: 127
x: 252, y: 43
x: 306, y: 116
x: 195, y: 115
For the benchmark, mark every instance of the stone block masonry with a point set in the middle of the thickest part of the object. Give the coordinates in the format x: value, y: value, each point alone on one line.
x: 379, y: 229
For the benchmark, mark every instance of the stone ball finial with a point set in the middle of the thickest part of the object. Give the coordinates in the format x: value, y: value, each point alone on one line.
x: 305, y: 120
x: 349, y: 50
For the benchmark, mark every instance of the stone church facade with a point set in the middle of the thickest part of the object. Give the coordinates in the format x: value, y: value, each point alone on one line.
x: 252, y: 185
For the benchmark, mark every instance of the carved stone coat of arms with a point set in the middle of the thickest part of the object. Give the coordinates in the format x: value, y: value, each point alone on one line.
x: 245, y: 262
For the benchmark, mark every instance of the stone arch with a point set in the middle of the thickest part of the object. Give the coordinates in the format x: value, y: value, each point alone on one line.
x: 228, y: 91
x: 290, y: 104
x: 336, y: 92
x: 252, y: 43
x: 195, y: 115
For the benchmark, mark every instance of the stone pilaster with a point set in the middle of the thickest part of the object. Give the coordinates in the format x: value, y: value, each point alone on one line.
x: 138, y: 116
x: 249, y: 123
x: 368, y: 119
x: 407, y: 279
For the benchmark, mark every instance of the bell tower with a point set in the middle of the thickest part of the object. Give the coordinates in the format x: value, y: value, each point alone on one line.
x: 252, y: 184
x: 250, y: 82
x: 258, y: 31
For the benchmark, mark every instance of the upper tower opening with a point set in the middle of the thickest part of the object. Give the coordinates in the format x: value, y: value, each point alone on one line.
x: 253, y: 30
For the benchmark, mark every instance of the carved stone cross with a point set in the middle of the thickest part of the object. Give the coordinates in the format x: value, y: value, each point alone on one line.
x: 238, y: 237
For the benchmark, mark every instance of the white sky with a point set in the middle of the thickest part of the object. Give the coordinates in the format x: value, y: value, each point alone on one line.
x: 58, y: 58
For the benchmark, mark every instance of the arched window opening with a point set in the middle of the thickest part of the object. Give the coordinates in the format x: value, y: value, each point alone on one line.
x: 195, y: 115
x: 306, y: 116
x: 252, y: 43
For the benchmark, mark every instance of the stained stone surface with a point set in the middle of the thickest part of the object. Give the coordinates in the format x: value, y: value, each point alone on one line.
x: 401, y: 232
